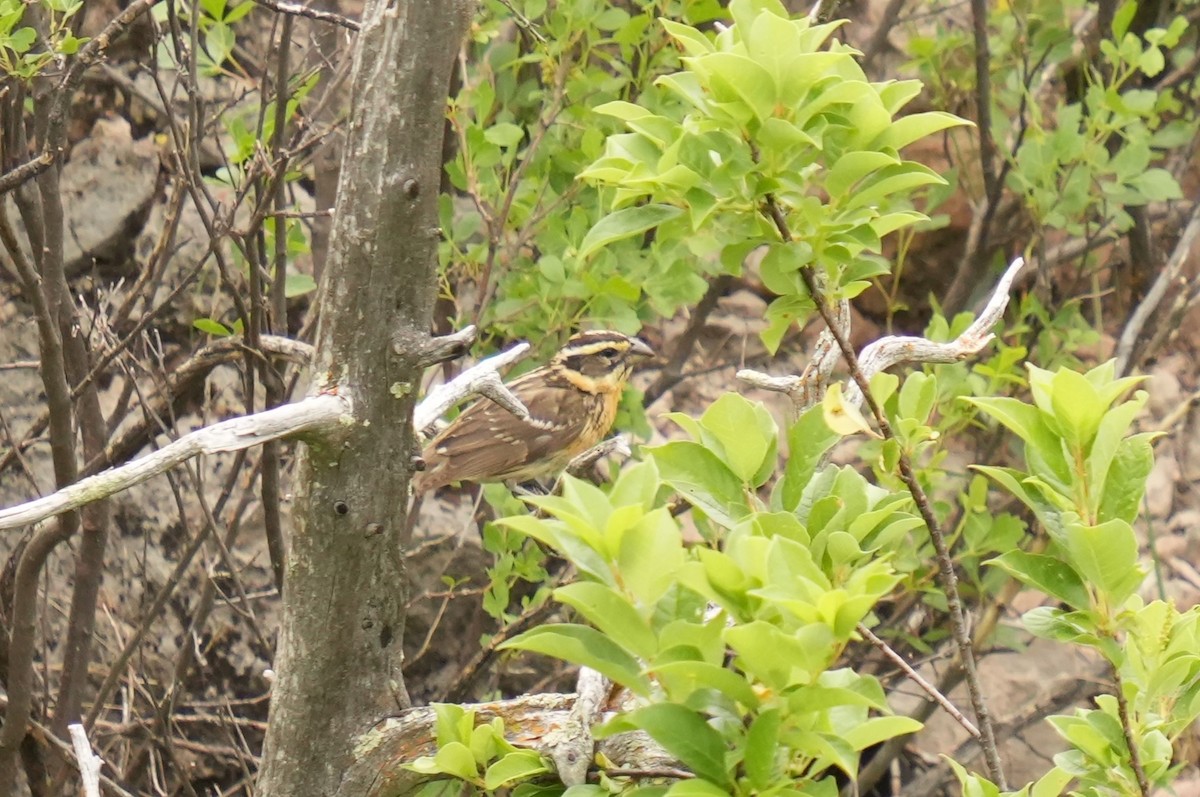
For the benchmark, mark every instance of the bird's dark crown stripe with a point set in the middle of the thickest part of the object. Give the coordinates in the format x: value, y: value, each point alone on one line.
x: 597, y: 335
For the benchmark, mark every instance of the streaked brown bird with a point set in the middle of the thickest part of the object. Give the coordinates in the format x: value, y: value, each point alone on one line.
x: 572, y: 403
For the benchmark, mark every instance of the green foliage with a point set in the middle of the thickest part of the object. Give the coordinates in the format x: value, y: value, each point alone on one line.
x: 732, y: 645
x: 1094, y: 158
x: 767, y: 131
x: 18, y: 55
x: 1085, y: 479
x: 770, y: 115
x: 1077, y: 162
x: 523, y: 255
x: 477, y: 754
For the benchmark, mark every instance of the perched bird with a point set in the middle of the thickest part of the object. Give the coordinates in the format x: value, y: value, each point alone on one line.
x: 572, y: 403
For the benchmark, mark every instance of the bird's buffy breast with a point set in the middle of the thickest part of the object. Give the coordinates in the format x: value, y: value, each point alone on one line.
x: 599, y: 422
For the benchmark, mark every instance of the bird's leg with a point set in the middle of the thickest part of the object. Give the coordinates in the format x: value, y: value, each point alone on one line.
x: 534, y: 487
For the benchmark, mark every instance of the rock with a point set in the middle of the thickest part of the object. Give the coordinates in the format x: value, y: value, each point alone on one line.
x: 1165, y: 392
x: 107, y: 187
x: 1160, y: 486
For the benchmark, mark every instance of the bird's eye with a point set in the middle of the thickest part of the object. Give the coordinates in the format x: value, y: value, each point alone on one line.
x: 609, y: 353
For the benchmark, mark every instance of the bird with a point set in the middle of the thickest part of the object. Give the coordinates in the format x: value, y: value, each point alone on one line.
x: 572, y: 403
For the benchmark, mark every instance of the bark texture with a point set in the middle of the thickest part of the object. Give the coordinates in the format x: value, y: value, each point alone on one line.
x: 339, y: 652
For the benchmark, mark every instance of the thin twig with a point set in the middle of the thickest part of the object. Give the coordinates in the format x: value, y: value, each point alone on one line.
x: 919, y: 680
x: 1135, y: 752
x: 685, y: 344
x: 946, y: 572
x: 297, y: 10
x: 879, y: 37
x: 983, y: 101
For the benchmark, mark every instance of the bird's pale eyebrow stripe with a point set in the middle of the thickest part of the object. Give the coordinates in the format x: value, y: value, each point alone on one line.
x: 592, y: 347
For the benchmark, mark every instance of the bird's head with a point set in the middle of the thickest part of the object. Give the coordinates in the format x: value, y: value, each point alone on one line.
x: 599, y: 361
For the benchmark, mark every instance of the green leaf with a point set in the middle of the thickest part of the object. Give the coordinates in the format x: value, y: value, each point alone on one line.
x: 612, y: 613
x: 1157, y: 185
x: 211, y: 327
x: 219, y: 41
x: 1108, y: 438
x: 808, y: 440
x: 738, y: 83
x: 695, y: 787
x: 762, y: 750
x: 1122, y: 18
x: 691, y: 40
x: 570, y: 545
x: 682, y: 678
x: 890, y: 222
x: 1126, y: 481
x: 623, y: 224
x: 521, y: 765
x: 650, y: 555
x: 782, y: 660
x: 295, y: 285
x: 1029, y: 424
x: 973, y: 785
x: 21, y: 39
x: 902, y: 177
x: 745, y: 431
x: 1106, y: 555
x: 1051, y: 784
x: 636, y: 486
x: 504, y: 134
x: 684, y: 734
x: 703, y: 479
x: 852, y: 167
x: 1046, y: 573
x: 1077, y: 407
x: 625, y: 111
x: 879, y: 729
x: 907, y: 129
x: 456, y: 759
x: 448, y: 720
x: 580, y: 644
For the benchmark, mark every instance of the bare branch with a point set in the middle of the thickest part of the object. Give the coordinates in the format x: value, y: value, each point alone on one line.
x: 531, y: 721
x: 315, y: 413
x: 446, y: 347
x: 895, y: 349
x: 1171, y: 276
x: 946, y: 575
x: 616, y: 446
x: 919, y: 680
x: 482, y: 378
x: 572, y: 746
x: 89, y: 763
x: 295, y: 9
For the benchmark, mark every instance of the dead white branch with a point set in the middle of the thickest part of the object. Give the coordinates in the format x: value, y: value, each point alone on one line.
x: 572, y: 746
x: 89, y: 763
x: 893, y: 350
x: 1170, y: 278
x: 480, y: 379
x: 538, y: 722
x: 315, y: 413
x: 615, y: 446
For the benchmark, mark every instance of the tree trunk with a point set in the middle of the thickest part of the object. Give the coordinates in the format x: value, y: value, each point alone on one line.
x: 339, y: 652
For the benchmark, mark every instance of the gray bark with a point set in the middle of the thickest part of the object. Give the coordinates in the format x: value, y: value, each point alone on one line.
x: 339, y: 652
